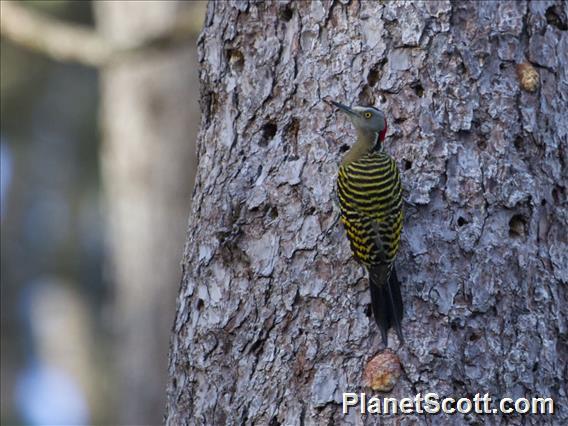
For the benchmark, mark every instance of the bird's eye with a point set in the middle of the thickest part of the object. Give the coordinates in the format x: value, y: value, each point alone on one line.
x: 368, y: 115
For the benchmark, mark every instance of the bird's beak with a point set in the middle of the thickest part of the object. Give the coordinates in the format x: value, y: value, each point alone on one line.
x: 344, y: 108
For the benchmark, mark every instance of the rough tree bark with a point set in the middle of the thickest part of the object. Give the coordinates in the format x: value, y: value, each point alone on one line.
x: 149, y: 112
x: 273, y: 321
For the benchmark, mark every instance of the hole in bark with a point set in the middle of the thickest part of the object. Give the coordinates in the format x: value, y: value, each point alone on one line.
x: 375, y: 72
x: 268, y: 132
x: 400, y: 120
x: 535, y: 367
x: 482, y: 144
x: 310, y: 211
x: 175, y: 383
x: 286, y: 13
x: 258, y: 171
x: 407, y: 164
x: 373, y: 76
x: 236, y: 59
x: 274, y: 422
x: 454, y: 326
x: 543, y: 202
x: 369, y: 311
x: 462, y: 221
x: 518, y: 143
x: 558, y: 194
x: 271, y: 211
x: 418, y: 89
x: 502, y: 66
x: 517, y: 226
x: 557, y: 18
x: 473, y: 337
x: 199, y: 305
x: 343, y: 148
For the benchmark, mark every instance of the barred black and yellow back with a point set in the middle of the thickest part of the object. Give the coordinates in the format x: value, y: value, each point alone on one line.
x: 370, y: 198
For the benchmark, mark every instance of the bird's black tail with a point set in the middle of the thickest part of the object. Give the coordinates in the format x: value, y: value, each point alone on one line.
x: 386, y: 300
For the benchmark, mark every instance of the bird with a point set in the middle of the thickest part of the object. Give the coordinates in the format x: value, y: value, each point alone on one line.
x: 369, y: 189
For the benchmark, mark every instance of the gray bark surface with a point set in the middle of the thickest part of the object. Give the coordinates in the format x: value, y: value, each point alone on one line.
x: 273, y: 321
x: 149, y: 116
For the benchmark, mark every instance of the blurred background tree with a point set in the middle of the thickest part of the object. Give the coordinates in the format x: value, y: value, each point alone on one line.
x: 92, y: 222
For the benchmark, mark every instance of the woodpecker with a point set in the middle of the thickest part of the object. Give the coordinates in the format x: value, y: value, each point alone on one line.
x: 370, y: 199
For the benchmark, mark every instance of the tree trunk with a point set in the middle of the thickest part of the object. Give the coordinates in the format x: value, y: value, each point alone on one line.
x: 273, y: 321
x: 149, y: 114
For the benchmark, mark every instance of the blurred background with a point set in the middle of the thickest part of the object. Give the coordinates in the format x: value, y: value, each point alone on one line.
x: 99, y: 115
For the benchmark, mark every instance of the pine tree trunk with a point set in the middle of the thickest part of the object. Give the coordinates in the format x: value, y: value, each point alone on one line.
x: 273, y: 319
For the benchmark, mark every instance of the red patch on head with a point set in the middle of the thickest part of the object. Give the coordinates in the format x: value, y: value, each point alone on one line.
x: 383, y: 132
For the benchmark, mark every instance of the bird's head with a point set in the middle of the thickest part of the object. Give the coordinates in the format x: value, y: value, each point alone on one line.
x: 368, y: 120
